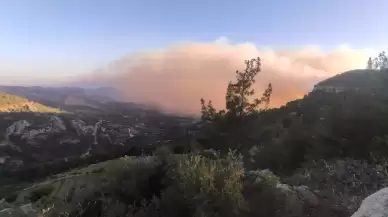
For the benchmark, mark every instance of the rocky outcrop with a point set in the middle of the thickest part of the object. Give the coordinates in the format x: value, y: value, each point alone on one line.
x: 25, y: 131
x: 16, y: 128
x: 306, y: 195
x: 268, y: 179
x: 104, y: 130
x: 344, y: 182
x: 26, y: 210
x: 375, y: 205
x: 57, y: 123
x: 81, y: 128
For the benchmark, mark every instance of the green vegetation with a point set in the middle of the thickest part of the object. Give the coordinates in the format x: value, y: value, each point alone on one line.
x: 361, y: 79
x: 150, y: 186
x: 378, y: 63
x: 318, y: 156
x: 240, y: 112
x: 40, y: 192
x: 237, y: 96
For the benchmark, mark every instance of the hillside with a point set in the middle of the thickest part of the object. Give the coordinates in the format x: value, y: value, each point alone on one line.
x: 30, y: 138
x: 13, y: 103
x: 318, y: 156
x: 163, y: 185
x: 365, y: 79
x: 77, y: 100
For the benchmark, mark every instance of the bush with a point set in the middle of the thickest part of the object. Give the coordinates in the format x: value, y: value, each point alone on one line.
x: 99, y: 170
x: 344, y: 182
x: 11, y: 198
x: 266, y: 196
x: 205, y: 187
x: 40, y: 192
x: 192, y: 185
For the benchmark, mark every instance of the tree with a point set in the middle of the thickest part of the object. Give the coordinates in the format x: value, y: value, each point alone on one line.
x: 237, y: 96
x: 380, y: 62
x: 370, y: 64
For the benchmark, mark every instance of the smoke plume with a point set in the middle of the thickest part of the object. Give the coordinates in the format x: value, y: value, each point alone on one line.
x: 176, y: 77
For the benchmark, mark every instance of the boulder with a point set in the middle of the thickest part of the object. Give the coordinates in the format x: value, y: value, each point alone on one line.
x: 306, y: 195
x: 262, y: 186
x: 265, y: 177
x: 28, y: 210
x: 375, y: 205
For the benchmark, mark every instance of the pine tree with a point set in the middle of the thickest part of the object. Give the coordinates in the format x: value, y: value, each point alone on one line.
x: 370, y: 64
x: 237, y: 96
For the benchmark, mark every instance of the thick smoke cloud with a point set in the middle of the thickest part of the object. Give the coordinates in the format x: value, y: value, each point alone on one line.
x: 176, y: 77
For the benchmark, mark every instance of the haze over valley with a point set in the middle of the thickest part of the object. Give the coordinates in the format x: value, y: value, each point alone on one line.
x: 173, y: 77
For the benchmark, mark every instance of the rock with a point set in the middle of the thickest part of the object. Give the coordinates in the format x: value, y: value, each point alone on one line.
x: 28, y: 210
x: 262, y: 177
x: 284, y: 188
x: 10, y: 145
x: 96, y: 129
x: 16, y: 128
x: 57, y: 123
x: 253, y: 151
x: 375, y: 205
x: 79, y: 126
x: 5, y: 205
x: 9, y: 212
x: 210, y: 153
x: 87, y: 153
x: 306, y: 195
x: 3, y: 159
x: 70, y: 141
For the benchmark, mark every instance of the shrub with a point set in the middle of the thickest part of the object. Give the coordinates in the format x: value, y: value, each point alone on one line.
x: 99, y: 170
x: 163, y: 153
x: 266, y: 196
x: 205, y: 187
x: 40, y: 192
x: 11, y: 198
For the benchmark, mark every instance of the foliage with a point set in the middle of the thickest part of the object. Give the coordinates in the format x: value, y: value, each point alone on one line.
x: 40, y: 192
x: 266, y: 196
x: 234, y: 124
x: 209, y: 187
x: 187, y: 185
x: 237, y: 96
x: 379, y: 63
x: 379, y: 148
x: 11, y: 197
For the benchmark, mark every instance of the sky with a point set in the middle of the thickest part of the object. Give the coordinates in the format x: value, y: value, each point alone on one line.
x: 56, y: 37
x: 49, y: 40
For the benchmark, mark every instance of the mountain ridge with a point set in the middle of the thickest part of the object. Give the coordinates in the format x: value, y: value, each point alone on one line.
x: 14, y: 103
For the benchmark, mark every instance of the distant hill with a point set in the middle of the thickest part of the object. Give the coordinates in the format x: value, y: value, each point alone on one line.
x: 71, y: 99
x: 361, y: 79
x: 13, y: 103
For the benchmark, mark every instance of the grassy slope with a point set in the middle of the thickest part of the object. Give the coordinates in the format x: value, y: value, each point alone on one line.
x: 74, y: 185
x: 13, y: 103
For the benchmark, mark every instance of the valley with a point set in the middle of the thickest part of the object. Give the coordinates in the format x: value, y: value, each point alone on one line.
x: 97, y: 156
